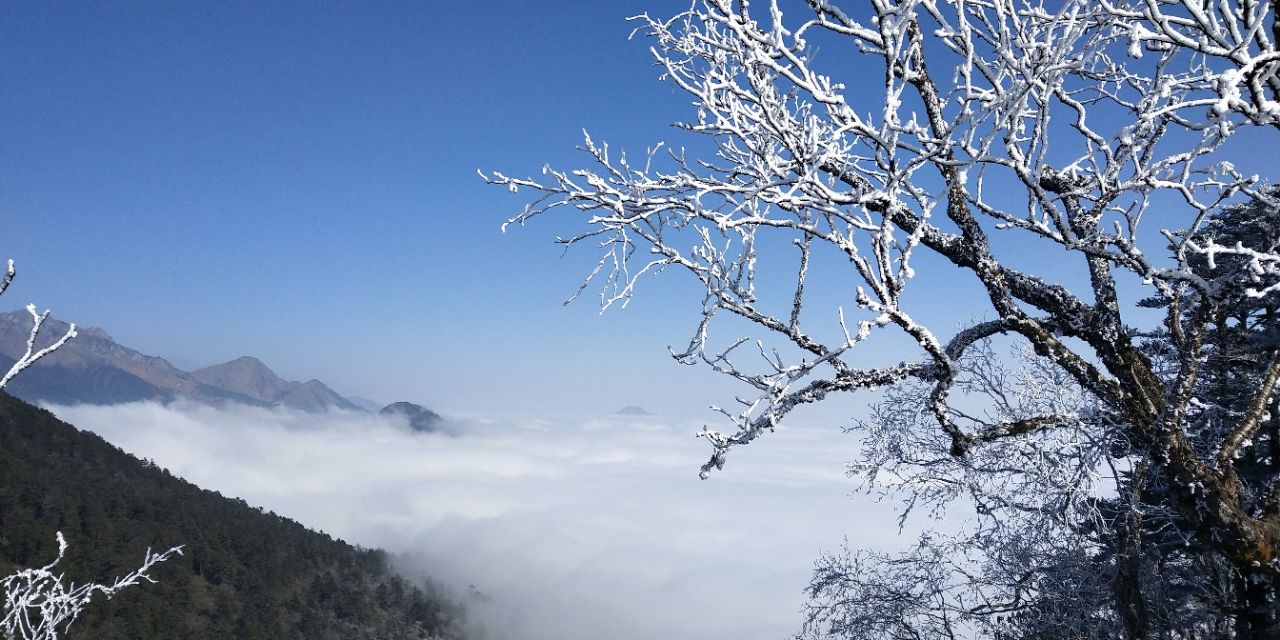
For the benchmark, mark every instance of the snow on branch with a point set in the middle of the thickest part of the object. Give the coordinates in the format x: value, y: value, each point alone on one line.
x: 33, y: 355
x: 1071, y: 124
x: 39, y: 606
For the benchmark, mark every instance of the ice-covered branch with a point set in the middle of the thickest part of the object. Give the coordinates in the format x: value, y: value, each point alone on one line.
x: 39, y: 606
x: 987, y: 134
x: 32, y: 355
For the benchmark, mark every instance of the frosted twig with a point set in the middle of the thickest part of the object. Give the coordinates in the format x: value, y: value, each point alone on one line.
x: 39, y: 606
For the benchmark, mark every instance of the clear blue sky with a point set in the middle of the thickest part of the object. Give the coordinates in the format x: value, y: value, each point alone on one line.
x: 298, y: 182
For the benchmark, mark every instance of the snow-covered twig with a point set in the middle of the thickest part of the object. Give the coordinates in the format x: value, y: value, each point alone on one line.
x: 32, y: 355
x: 39, y: 606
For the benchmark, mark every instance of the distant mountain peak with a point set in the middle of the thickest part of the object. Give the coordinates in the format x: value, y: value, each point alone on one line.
x: 633, y: 410
x: 420, y: 418
x: 248, y: 376
x: 94, y: 369
x: 18, y: 324
x: 314, y: 395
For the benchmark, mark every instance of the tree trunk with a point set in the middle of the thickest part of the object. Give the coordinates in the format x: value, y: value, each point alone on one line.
x: 1127, y: 588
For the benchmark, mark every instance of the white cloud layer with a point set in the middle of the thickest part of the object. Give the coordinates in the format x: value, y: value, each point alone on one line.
x: 595, y: 529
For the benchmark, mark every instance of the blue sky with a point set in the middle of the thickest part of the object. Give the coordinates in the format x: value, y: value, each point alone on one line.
x: 298, y: 182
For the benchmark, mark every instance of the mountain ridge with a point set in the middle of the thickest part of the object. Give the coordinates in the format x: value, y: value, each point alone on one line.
x: 92, y: 368
x: 248, y: 376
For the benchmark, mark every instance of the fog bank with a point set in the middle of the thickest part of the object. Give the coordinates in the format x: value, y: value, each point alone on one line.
x: 575, y: 529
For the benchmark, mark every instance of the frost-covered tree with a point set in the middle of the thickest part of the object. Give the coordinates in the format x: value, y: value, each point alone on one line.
x: 1105, y: 134
x: 1070, y: 536
x: 37, y: 604
x: 1050, y: 553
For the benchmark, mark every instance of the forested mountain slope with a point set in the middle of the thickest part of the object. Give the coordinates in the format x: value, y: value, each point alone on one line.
x: 245, y: 574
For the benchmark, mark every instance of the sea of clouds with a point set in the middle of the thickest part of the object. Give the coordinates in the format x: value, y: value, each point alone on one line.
x: 572, y: 529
